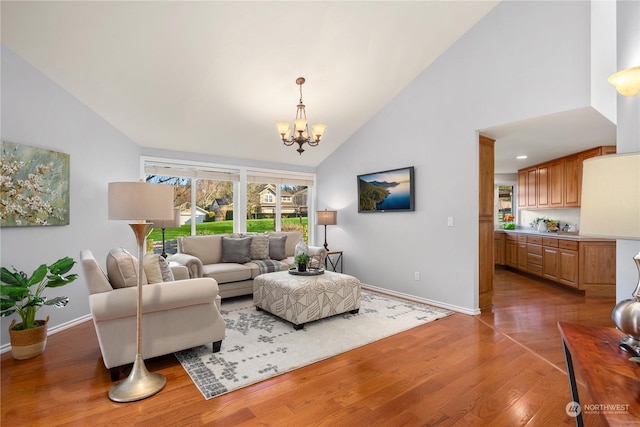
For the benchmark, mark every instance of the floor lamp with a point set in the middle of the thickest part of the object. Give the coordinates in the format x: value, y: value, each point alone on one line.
x: 163, y: 224
x: 325, y: 218
x: 610, y: 208
x: 138, y: 201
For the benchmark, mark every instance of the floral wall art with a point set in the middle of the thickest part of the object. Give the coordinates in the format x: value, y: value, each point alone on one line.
x: 34, y: 186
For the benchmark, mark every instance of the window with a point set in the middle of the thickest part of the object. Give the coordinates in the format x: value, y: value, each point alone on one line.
x: 216, y: 199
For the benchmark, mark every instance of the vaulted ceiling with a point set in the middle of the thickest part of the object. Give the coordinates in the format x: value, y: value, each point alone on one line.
x: 214, y: 77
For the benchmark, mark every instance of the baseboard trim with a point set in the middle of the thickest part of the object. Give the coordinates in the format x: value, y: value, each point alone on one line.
x: 451, y: 307
x: 53, y: 330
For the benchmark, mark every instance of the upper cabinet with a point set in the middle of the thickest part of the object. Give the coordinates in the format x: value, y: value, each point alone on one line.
x: 557, y: 183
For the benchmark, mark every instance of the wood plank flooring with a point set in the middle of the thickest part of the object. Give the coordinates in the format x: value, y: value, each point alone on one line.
x: 502, y: 368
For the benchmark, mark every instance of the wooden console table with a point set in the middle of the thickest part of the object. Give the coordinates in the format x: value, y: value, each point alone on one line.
x: 611, y: 379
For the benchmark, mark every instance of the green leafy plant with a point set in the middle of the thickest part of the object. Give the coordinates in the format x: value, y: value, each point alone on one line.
x: 302, y: 259
x: 17, y: 294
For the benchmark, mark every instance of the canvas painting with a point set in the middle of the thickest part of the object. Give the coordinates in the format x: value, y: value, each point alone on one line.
x: 34, y: 186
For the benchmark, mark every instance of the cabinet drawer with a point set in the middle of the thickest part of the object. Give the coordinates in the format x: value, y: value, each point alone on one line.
x: 550, y: 242
x: 512, y: 238
x: 536, y: 240
x: 535, y: 269
x: 533, y: 259
x: 522, y: 239
x: 568, y: 244
x: 534, y: 249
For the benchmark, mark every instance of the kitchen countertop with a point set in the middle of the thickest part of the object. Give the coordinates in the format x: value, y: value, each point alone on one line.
x: 558, y: 235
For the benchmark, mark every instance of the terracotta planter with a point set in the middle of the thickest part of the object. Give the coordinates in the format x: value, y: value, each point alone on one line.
x: 28, y: 343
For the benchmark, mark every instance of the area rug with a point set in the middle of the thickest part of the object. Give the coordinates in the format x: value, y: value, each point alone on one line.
x: 259, y: 345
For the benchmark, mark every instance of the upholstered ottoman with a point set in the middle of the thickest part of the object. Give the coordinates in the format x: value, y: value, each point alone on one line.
x: 303, y: 299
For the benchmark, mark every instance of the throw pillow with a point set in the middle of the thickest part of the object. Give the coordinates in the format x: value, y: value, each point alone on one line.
x: 157, y: 269
x: 259, y: 247
x: 236, y: 249
x: 276, y: 247
x: 122, y: 269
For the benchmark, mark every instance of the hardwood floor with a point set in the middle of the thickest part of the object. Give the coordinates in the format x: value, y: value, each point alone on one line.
x: 502, y: 368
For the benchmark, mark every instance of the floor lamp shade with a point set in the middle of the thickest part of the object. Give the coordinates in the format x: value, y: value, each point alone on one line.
x: 610, y: 204
x: 140, y: 201
x: 610, y: 208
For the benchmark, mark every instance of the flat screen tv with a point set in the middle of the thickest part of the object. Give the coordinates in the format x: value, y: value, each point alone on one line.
x: 386, y: 191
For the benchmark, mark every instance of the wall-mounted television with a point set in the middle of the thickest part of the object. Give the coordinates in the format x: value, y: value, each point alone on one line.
x: 387, y: 191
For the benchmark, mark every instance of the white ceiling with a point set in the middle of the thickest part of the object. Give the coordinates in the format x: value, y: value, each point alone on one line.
x: 213, y: 77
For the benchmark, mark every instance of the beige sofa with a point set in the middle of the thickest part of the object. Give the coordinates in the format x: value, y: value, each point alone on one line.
x: 205, y: 256
x: 176, y: 315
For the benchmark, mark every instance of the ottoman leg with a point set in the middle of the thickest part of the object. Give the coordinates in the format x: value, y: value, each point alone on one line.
x: 356, y: 311
x: 298, y: 327
x: 258, y: 308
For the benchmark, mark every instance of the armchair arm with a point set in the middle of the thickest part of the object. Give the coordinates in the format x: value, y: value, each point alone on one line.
x: 318, y: 256
x: 193, y: 264
x: 155, y: 297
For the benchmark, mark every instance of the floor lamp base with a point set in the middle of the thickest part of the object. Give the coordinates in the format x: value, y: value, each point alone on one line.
x: 139, y: 385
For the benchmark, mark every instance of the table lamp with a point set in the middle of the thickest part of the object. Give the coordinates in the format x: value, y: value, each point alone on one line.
x: 138, y: 201
x: 325, y: 218
x: 610, y: 208
x: 163, y: 224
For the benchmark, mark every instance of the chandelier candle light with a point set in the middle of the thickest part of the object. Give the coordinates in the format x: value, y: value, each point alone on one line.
x: 301, y: 133
x: 137, y: 201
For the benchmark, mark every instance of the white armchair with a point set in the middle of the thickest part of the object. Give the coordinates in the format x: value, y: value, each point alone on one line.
x: 176, y: 315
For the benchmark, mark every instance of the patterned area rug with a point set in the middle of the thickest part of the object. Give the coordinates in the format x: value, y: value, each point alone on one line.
x: 259, y: 345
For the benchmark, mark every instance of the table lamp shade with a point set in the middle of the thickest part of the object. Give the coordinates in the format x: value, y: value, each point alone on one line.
x: 168, y: 223
x: 327, y: 217
x: 610, y: 205
x: 140, y: 201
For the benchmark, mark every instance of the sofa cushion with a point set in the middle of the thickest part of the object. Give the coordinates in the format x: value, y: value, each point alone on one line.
x: 207, y: 248
x: 226, y: 272
x: 293, y: 237
x: 277, y: 247
x: 260, y: 247
x: 157, y: 269
x: 122, y: 269
x: 236, y: 249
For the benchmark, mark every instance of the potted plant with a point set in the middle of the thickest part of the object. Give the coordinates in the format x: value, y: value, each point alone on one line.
x: 302, y: 259
x: 22, y: 294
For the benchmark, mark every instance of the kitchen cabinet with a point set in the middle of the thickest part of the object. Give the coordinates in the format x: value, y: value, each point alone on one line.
x: 511, y: 250
x: 522, y: 253
x: 568, y: 263
x: 534, y: 255
x: 499, y: 248
x: 550, y: 258
x: 581, y: 263
x: 556, y: 183
x: 542, y: 190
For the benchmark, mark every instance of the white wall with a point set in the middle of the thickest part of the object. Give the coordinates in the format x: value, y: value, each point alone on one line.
x: 37, y: 112
x: 524, y: 59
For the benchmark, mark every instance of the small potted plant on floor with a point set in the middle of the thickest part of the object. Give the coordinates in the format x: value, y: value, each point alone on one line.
x: 301, y: 261
x: 17, y: 295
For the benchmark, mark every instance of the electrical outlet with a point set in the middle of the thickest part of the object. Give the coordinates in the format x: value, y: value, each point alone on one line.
x: 450, y: 221
x: 416, y: 275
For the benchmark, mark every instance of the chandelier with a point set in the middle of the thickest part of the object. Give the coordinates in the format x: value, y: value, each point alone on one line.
x: 301, y: 134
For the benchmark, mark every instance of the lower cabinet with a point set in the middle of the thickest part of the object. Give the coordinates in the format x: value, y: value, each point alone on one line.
x: 586, y: 265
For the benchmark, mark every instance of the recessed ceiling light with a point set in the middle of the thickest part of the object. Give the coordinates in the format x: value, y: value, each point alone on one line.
x: 521, y: 157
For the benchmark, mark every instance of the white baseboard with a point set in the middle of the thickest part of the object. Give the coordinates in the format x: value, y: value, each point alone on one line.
x: 424, y: 300
x: 55, y: 329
